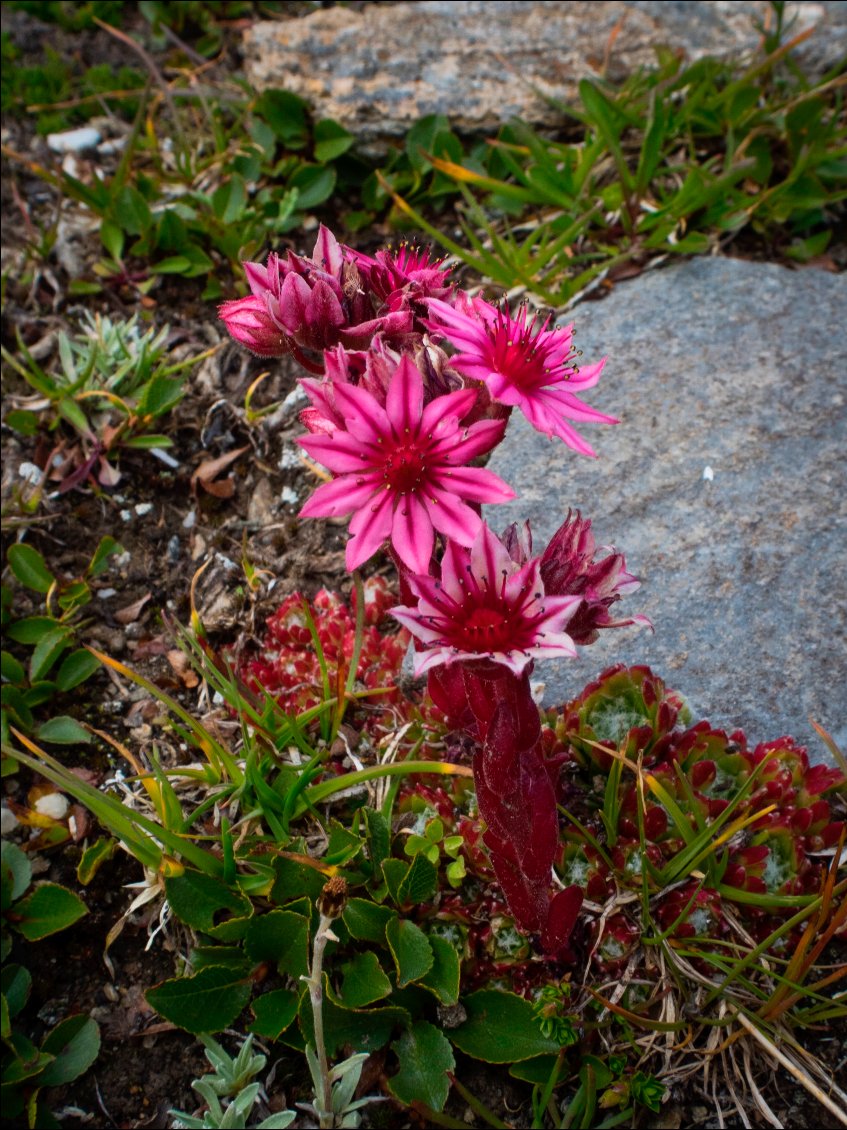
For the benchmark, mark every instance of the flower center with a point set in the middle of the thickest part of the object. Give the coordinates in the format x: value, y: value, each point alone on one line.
x: 488, y: 629
x: 516, y: 355
x: 403, y: 469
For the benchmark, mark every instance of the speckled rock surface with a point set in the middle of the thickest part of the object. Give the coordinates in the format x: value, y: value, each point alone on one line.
x: 380, y: 69
x: 725, y: 484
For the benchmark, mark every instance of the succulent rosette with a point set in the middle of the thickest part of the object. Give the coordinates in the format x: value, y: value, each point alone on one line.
x: 628, y: 709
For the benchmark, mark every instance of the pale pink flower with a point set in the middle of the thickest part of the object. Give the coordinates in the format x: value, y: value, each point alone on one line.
x: 249, y: 322
x: 400, y: 467
x: 486, y: 606
x: 522, y: 364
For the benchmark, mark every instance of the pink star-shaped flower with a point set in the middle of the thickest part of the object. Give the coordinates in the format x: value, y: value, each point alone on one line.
x: 522, y: 364
x: 401, y: 467
x: 486, y: 606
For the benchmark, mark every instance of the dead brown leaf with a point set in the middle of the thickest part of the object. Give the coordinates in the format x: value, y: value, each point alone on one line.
x: 132, y: 611
x: 208, y: 471
x: 180, y: 664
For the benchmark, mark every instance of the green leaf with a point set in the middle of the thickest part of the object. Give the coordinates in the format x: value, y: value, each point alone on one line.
x: 420, y: 883
x: 394, y: 872
x: 28, y: 1063
x: 99, y: 562
x: 224, y: 957
x: 17, y: 872
x: 274, y: 1012
x: 364, y: 1030
x: 410, y: 949
x: 75, y: 416
x: 47, y: 651
x: 206, y: 1002
x: 367, y: 920
x: 331, y: 140
x: 75, y: 669
x: 379, y: 836
x: 112, y: 238
x: 229, y: 199
x: 293, y: 880
x: 364, y: 981
x: 160, y: 395
x: 285, y: 113
x: 443, y: 978
x: 197, y: 899
x: 500, y: 1028
x: 171, y: 234
x: 173, y: 265
x: 314, y: 184
x: 131, y: 211
x: 16, y: 983
x: 282, y: 937
x: 30, y: 568
x: 75, y: 1043
x: 425, y: 1059
x: 15, y: 710
x: 11, y: 670
x: 49, y: 909
x: 93, y: 857
x: 536, y: 1070
x: 64, y: 730
x: 31, y: 629
x: 22, y: 421
x: 144, y: 443
x: 83, y: 286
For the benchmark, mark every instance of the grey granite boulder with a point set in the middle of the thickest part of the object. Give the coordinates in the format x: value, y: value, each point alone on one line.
x: 725, y: 484
x: 378, y: 70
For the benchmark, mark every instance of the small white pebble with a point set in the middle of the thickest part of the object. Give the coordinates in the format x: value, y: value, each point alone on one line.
x: 288, y: 495
x: 108, y: 148
x: 107, y: 594
x: 289, y: 458
x: 73, y: 140
x: 126, y: 515
x: 708, y: 474
x: 53, y: 805
x: 189, y: 521
x: 31, y: 474
x: 143, y: 508
x: 8, y: 821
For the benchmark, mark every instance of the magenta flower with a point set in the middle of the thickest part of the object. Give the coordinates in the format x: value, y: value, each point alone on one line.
x: 312, y: 304
x: 249, y: 322
x: 568, y: 565
x: 407, y: 275
x: 486, y: 606
x: 522, y: 364
x: 401, y: 466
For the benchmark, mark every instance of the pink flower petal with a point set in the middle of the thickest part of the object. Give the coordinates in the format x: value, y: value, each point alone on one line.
x: 476, y: 484
x: 370, y: 527
x: 412, y: 534
x: 338, y: 497
x: 340, y: 452
x: 404, y: 402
